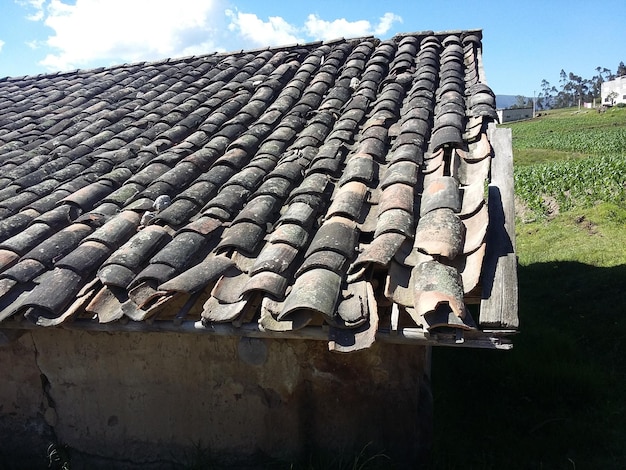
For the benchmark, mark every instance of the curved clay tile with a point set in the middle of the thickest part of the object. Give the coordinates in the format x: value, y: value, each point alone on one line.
x: 473, y: 197
x: 199, y: 276
x: 478, y: 150
x: 348, y: 200
x: 474, y: 172
x: 476, y: 229
x: 438, y: 289
x: 470, y: 267
x: 380, y: 251
x: 270, y: 309
x: 440, y: 232
x: 440, y: 193
x: 357, y: 337
x: 336, y: 234
x: 316, y: 290
x: 268, y: 282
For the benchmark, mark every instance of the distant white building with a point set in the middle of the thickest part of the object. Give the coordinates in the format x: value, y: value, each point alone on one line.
x: 614, y: 91
x: 514, y: 114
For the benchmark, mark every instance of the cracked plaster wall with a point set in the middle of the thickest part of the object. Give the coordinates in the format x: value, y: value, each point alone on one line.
x: 24, y: 411
x: 149, y: 398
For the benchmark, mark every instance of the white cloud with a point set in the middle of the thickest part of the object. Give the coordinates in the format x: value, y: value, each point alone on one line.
x: 318, y: 28
x: 89, y: 33
x: 2, y: 43
x: 276, y: 31
x: 37, y: 5
x: 34, y: 44
x: 385, y: 23
x: 123, y: 30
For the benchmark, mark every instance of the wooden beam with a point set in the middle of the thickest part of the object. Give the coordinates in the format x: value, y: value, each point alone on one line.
x: 499, y: 305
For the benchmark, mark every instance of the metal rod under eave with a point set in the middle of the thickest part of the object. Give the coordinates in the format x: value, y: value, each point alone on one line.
x: 408, y: 336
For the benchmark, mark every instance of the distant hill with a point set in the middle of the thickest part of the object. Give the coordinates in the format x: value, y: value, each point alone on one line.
x: 505, y: 101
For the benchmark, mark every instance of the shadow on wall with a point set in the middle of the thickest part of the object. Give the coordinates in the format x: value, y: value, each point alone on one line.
x: 557, y: 399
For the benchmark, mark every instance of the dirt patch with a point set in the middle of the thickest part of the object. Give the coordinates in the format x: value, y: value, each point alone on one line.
x: 552, y: 206
x: 523, y: 212
x: 587, y: 225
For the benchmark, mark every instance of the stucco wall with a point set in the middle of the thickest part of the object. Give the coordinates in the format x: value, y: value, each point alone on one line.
x: 514, y: 114
x: 150, y: 398
x: 24, y: 433
x: 618, y: 86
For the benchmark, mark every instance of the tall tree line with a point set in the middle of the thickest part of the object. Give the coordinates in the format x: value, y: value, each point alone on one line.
x: 573, y: 89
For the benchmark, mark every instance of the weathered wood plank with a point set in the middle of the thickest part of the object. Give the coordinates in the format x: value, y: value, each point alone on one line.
x: 499, y: 306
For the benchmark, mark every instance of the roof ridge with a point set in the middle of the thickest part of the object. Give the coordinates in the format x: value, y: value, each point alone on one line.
x: 235, y: 52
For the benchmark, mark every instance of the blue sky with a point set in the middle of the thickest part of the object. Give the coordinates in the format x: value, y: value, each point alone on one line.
x: 523, y: 41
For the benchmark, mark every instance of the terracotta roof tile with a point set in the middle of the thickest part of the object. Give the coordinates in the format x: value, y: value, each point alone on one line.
x: 338, y: 183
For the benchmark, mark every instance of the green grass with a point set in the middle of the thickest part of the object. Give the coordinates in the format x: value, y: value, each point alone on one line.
x: 591, y: 236
x: 558, y: 399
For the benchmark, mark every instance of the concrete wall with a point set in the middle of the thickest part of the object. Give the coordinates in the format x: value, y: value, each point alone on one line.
x: 149, y: 399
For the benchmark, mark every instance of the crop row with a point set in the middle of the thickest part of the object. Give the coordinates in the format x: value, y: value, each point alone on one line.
x: 572, y: 183
x: 594, y: 141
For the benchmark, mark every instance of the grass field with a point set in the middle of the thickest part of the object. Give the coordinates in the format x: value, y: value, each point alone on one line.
x: 558, y: 399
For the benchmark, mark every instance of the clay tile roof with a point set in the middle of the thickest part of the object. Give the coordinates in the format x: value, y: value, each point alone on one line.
x: 353, y: 190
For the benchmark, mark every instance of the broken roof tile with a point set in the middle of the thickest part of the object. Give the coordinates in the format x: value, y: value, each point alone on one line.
x: 439, y: 296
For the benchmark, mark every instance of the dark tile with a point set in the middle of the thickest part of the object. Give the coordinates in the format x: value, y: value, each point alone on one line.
x: 87, y: 257
x: 382, y: 249
x: 181, y: 252
x: 117, y: 230
x: 439, y: 292
x: 275, y: 257
x: 395, y: 221
x: 199, y: 276
x: 336, y: 234
x: 316, y: 290
x: 353, y: 309
x: 55, y: 291
x: 267, y: 282
x: 326, y: 259
x: 243, y: 236
x: 24, y: 271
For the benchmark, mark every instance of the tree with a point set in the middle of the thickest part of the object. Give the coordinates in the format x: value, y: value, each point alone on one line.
x: 522, y: 102
x: 540, y: 102
x: 578, y: 87
x: 564, y: 98
x: 547, y: 94
x: 596, y: 84
x: 574, y: 89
